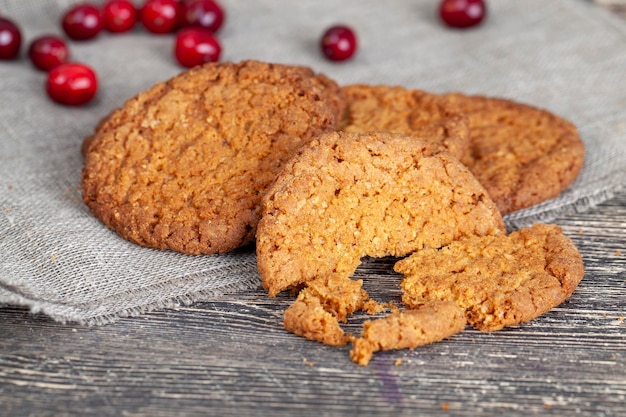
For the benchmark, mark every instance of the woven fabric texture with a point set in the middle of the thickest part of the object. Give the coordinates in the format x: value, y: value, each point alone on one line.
x: 568, y: 56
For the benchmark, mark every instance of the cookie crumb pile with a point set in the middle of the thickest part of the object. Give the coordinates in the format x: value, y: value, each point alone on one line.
x: 320, y: 175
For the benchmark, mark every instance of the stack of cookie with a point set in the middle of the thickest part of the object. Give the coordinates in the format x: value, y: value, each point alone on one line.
x: 319, y: 176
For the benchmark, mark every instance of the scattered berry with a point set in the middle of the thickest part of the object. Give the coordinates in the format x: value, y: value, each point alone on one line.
x: 195, y: 46
x: 47, y: 52
x: 462, y: 13
x: 338, y: 43
x: 161, y: 16
x: 82, y: 21
x: 72, y: 84
x: 119, y: 15
x: 10, y: 39
x: 207, y: 14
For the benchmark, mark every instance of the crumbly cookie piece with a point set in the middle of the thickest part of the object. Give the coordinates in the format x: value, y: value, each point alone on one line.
x: 322, y: 305
x: 416, y: 113
x: 521, y: 154
x: 308, y: 318
x: 183, y: 165
x: 428, y: 323
x: 340, y: 295
x: 498, y: 280
x: 348, y: 195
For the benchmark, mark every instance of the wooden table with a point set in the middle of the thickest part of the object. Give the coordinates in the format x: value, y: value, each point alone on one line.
x: 231, y: 356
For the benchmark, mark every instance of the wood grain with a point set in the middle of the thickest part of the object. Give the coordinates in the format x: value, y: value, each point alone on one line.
x: 230, y: 356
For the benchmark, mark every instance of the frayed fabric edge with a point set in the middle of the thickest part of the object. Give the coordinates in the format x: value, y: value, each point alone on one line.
x: 68, y: 314
x: 516, y: 221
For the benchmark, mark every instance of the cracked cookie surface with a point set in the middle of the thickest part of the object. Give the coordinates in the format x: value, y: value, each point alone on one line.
x: 498, y: 280
x: 348, y: 195
x: 183, y: 165
x: 416, y: 113
x: 521, y: 154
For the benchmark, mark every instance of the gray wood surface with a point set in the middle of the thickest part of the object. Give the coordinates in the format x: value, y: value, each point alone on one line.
x: 231, y: 357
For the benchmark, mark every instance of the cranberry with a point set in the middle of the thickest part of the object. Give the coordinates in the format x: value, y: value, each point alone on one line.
x: 72, y: 84
x: 160, y: 16
x: 462, y: 13
x: 338, y: 43
x: 82, y: 21
x: 119, y: 15
x: 48, y: 51
x: 203, y: 13
x: 195, y: 46
x: 10, y: 39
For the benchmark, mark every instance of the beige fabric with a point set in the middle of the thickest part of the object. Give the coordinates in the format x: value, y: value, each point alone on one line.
x: 567, y: 56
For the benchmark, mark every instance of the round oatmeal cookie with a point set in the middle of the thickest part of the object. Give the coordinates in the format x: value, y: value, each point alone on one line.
x: 183, y: 165
x: 521, y: 154
x: 498, y: 280
x: 348, y: 195
x: 416, y: 113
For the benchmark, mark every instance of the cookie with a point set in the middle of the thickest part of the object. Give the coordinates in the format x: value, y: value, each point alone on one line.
x: 498, y: 280
x: 428, y: 323
x: 521, y: 154
x: 307, y: 317
x: 348, y: 195
x: 412, y: 112
x: 340, y: 295
x: 320, y: 307
x: 183, y: 165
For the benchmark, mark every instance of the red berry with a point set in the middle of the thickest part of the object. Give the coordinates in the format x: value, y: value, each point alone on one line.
x: 48, y: 51
x: 119, y: 15
x: 72, y: 84
x: 338, y: 43
x: 82, y: 21
x: 462, y: 13
x: 195, y: 46
x: 160, y: 16
x: 10, y: 39
x: 207, y: 14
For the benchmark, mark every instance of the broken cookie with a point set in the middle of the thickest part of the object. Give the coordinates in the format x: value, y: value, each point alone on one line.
x: 498, y: 280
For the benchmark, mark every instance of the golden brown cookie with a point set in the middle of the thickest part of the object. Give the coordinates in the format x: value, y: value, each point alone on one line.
x: 498, y: 280
x: 412, y: 112
x: 183, y: 165
x: 521, y: 154
x: 321, y: 305
x: 307, y: 317
x: 348, y: 195
x: 425, y: 324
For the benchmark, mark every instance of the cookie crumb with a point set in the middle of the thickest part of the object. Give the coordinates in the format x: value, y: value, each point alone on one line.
x: 580, y: 232
x: 618, y: 253
x: 307, y: 362
x: 547, y: 406
x: 620, y: 319
x: 398, y: 362
x: 445, y: 407
x: 372, y: 307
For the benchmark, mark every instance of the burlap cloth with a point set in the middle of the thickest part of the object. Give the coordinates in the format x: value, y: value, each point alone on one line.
x: 567, y: 56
